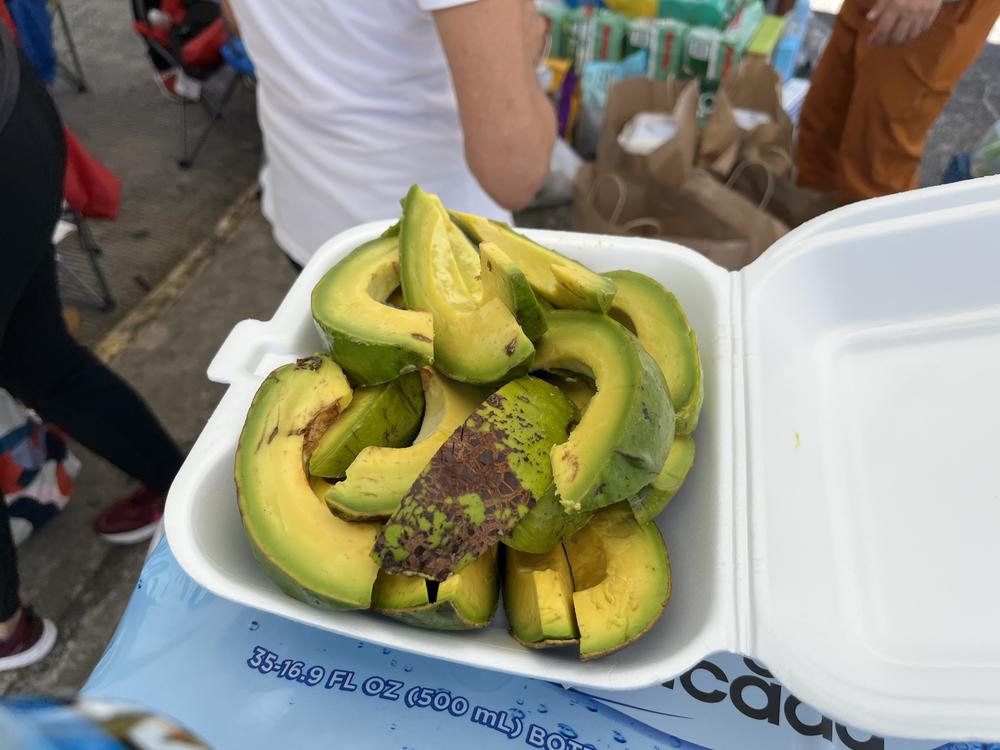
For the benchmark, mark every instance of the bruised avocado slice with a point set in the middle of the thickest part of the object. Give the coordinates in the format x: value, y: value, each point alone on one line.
x: 622, y: 440
x: 475, y: 340
x: 373, y: 342
x: 502, y: 279
x: 465, y: 600
x: 657, y: 318
x: 563, y: 282
x: 309, y: 553
x: 486, y: 477
x: 380, y: 476
x: 652, y: 499
x: 386, y: 415
x: 538, y: 598
x: 621, y: 573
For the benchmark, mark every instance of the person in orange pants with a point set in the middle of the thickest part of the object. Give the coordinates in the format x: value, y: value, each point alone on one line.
x: 887, y: 73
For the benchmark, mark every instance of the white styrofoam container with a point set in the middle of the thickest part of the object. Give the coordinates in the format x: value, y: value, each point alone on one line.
x: 842, y: 515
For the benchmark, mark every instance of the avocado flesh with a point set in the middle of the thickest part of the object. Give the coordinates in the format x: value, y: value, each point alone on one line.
x: 621, y: 574
x: 538, y: 598
x: 573, y: 285
x: 651, y: 500
x: 505, y: 281
x: 373, y: 342
x: 486, y: 477
x: 657, y: 318
x: 379, y: 478
x: 465, y: 600
x: 475, y: 340
x: 623, y: 439
x: 309, y: 553
x: 385, y: 415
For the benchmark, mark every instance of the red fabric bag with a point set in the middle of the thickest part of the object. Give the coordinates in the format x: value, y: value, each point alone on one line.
x: 90, y: 188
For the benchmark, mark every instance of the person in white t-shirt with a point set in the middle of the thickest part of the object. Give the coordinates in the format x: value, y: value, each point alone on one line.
x: 359, y: 100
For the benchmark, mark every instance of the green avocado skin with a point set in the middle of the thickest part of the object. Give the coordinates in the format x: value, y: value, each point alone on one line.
x: 486, y: 477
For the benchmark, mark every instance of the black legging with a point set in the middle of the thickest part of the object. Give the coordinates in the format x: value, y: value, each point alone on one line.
x: 40, y: 363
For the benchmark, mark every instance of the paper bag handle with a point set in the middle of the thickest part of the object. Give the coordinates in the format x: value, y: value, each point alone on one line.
x: 742, y: 167
x: 616, y: 212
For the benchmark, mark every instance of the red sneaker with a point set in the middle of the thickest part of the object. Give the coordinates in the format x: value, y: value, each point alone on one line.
x: 132, y: 519
x: 30, y: 642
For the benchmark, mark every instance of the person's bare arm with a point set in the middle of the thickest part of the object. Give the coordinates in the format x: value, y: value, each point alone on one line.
x: 901, y: 21
x: 493, y: 47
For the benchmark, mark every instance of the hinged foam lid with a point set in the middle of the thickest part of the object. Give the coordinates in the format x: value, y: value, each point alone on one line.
x: 872, y: 398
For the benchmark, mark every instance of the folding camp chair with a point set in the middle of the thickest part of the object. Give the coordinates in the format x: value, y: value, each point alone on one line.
x: 76, y: 75
x: 197, y: 28
x: 99, y: 291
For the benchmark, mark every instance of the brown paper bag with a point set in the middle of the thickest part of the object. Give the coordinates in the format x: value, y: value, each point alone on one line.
x: 779, y: 196
x: 702, y: 214
x: 756, y: 85
x: 670, y: 163
x: 719, y: 145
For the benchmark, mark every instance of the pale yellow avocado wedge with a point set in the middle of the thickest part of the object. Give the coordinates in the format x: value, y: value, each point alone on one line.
x: 621, y: 573
x: 308, y: 552
x: 476, y: 340
x: 466, y: 600
x: 379, y: 478
x: 505, y: 281
x: 538, y: 598
x: 563, y: 282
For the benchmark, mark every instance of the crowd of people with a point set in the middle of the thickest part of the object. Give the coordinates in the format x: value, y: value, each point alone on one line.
x: 358, y: 101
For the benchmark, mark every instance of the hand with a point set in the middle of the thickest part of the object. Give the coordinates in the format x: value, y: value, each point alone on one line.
x: 535, y: 33
x: 902, y: 21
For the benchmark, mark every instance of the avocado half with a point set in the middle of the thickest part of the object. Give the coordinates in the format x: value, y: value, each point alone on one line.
x: 476, y: 340
x: 372, y: 341
x: 657, y: 318
x: 308, y: 552
x: 623, y: 439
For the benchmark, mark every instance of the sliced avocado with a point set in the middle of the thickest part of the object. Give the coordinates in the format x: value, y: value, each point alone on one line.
x: 475, y: 340
x: 504, y: 280
x: 657, y: 318
x: 482, y: 481
x: 563, y: 282
x: 622, y: 440
x: 621, y: 573
x: 380, y: 476
x: 373, y: 342
x: 387, y: 415
x: 309, y: 553
x: 538, y: 598
x: 465, y: 600
x: 652, y: 499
